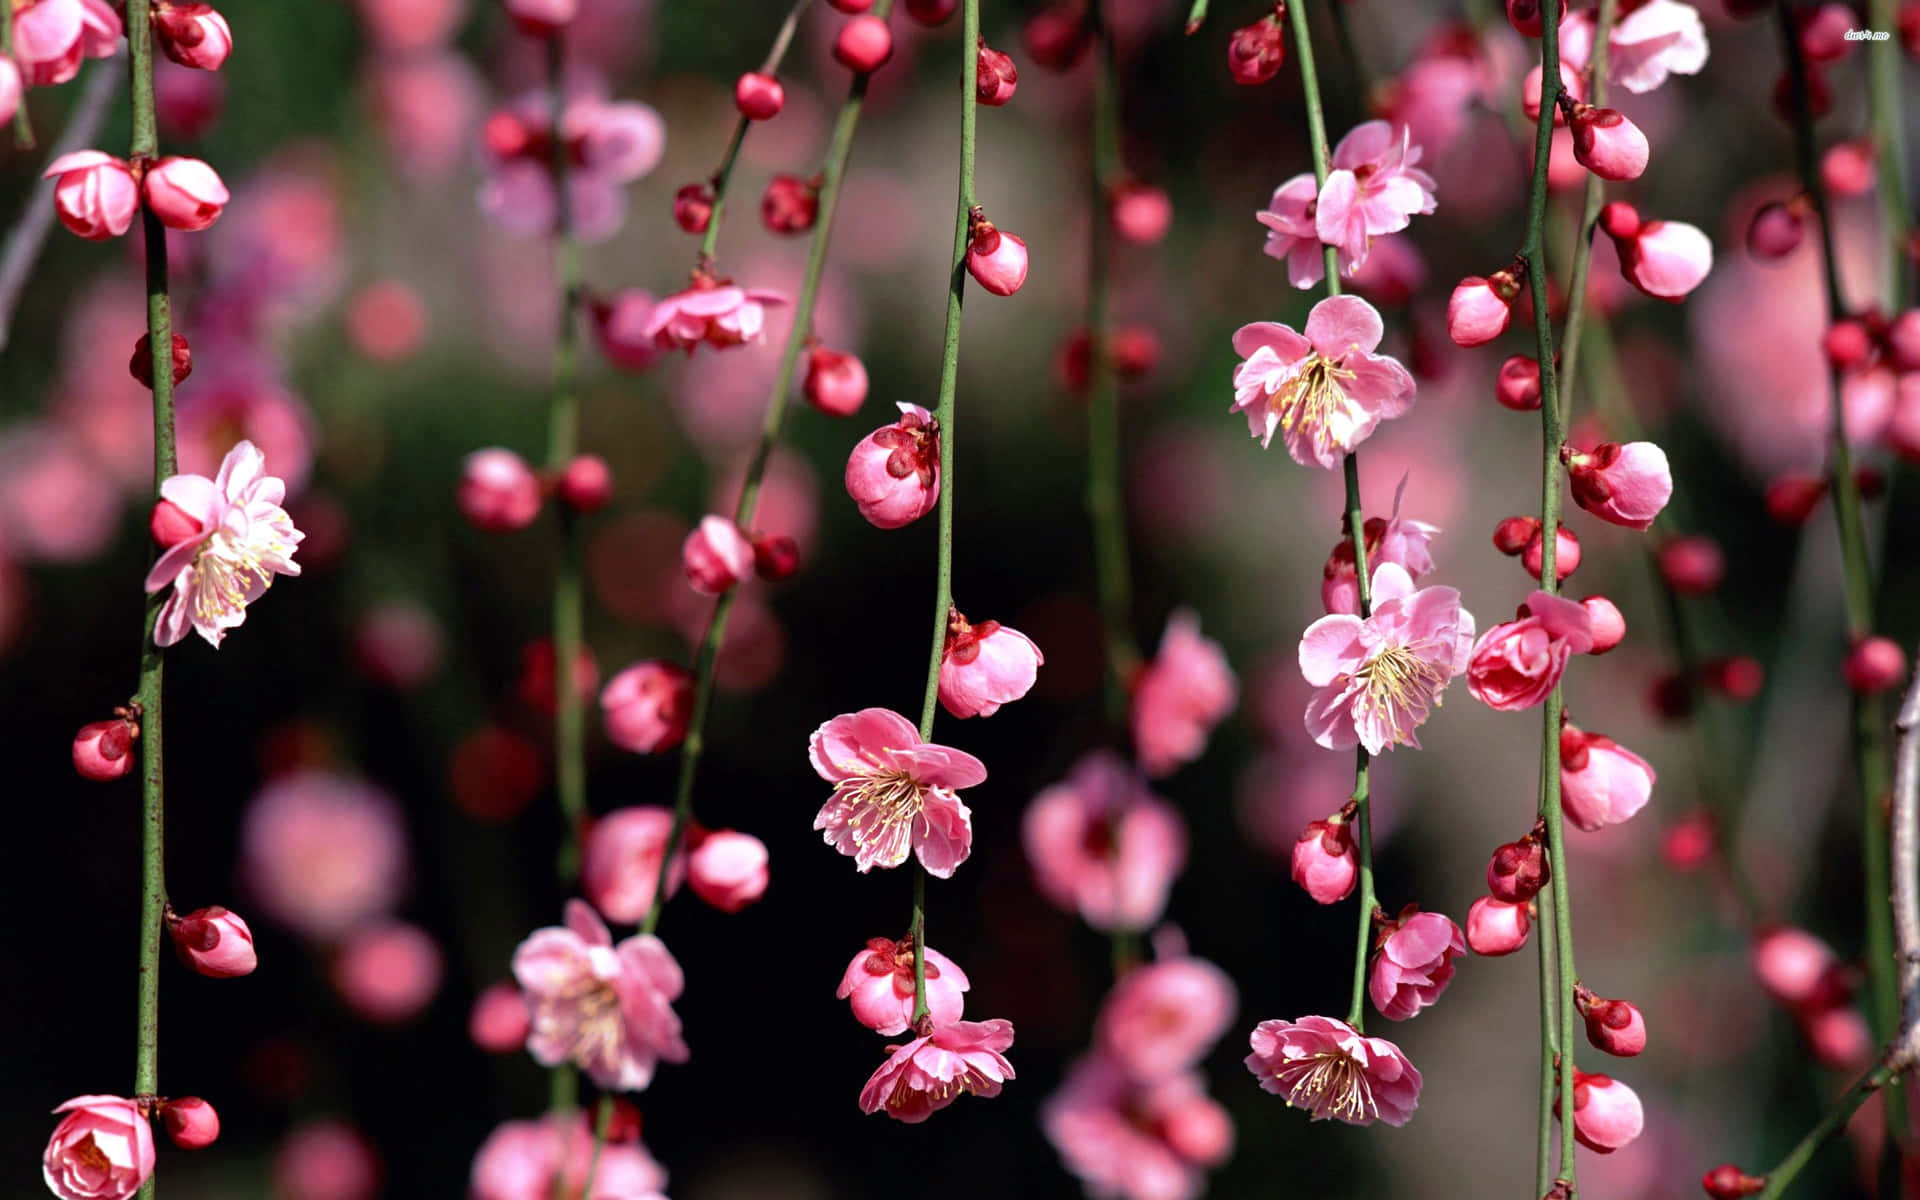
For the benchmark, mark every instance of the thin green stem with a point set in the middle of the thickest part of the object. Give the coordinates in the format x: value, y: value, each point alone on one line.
x: 22, y: 120
x: 917, y: 930
x: 1834, y: 1120
x: 563, y: 1097
x: 1884, y: 117
x: 602, y: 1121
x: 832, y: 172
x: 1550, y: 1049
x: 724, y: 176
x: 1196, y: 17
x: 1570, y: 339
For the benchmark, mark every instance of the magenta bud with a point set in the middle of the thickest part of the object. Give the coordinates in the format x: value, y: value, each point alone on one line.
x: 1775, y: 232
x: 1056, y: 36
x: 1496, y: 927
x: 1255, y: 52
x: 1476, y: 312
x: 931, y: 12
x: 1847, y: 344
x: 103, y: 750
x: 789, y: 205
x: 775, y: 556
x: 1728, y: 1182
x: 1511, y: 536
x: 215, y: 942
x: 498, y: 491
x: 693, y: 207
x: 836, y: 382
x: 586, y: 484
x: 1518, y: 385
x: 1324, y: 862
x: 1139, y: 212
x: 1608, y: 144
x: 995, y: 76
x: 1874, y: 665
x: 1566, y: 554
x: 141, y: 364
x: 191, y: 1122
x: 864, y: 43
x: 1792, y: 498
x: 1609, y: 627
x: 500, y: 1020
x: 997, y: 261
x: 1518, y: 870
x: 1738, y: 678
x: 1613, y: 1026
x: 1524, y: 16
x: 758, y: 96
x: 1620, y: 220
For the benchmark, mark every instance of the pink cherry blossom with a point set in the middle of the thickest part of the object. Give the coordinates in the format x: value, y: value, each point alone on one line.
x: 326, y: 1160
x: 985, y: 664
x: 1161, y: 1019
x: 647, y: 706
x: 1103, y: 845
x: 879, y: 984
x: 500, y: 1022
x: 1480, y: 308
x: 1601, y: 782
x: 1332, y: 1071
x: 322, y: 853
x: 1608, y: 144
x: 185, y: 193
x: 531, y: 1160
x: 718, y: 314
x: 1395, y: 539
x: 101, y: 1150
x: 893, y: 473
x: 893, y: 794
x: 1664, y: 259
x: 1180, y: 696
x: 1606, y: 1113
x: 1324, y: 389
x: 51, y: 36
x: 1324, y: 863
x: 1415, y: 963
x: 388, y: 972
x: 1292, y: 236
x: 609, y: 143
x: 716, y: 555
x: 1372, y: 189
x: 1516, y: 664
x: 607, y: 1009
x: 931, y: 1072
x: 1496, y: 927
x: 1131, y: 1141
x: 94, y: 193
x: 244, y: 538
x: 1627, y: 484
x: 620, y: 864
x: 1378, y: 679
x: 192, y: 34
x: 997, y: 260
x: 728, y: 869
x: 215, y: 942
x: 1793, y: 966
x: 1649, y: 43
x: 620, y: 328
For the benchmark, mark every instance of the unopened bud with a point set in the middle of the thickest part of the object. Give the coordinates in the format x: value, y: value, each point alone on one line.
x: 758, y: 96
x: 1511, y: 536
x: 215, y: 942
x: 775, y: 556
x: 790, y: 205
x: 1566, y: 554
x: 191, y: 1122
x: 141, y: 364
x: 1728, y: 1182
x: 1609, y: 627
x: 1518, y: 870
x: 1692, y: 566
x: 103, y: 750
x: 1518, y: 385
x: 1874, y: 665
x: 586, y: 484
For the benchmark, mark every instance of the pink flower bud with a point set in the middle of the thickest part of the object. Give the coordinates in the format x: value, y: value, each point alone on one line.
x: 1876, y: 664
x: 542, y: 18
x: 1689, y: 843
x: 1601, y: 782
x: 1566, y: 553
x: 49, y: 41
x: 1792, y: 965
x: 1518, y: 870
x: 215, y: 942
x: 1139, y: 212
x: 984, y: 666
x: 1847, y: 168
x: 620, y: 863
x: 728, y: 870
x: 94, y: 193
x: 1728, y: 1182
x: 171, y: 525
x: 192, y: 34
x: 1608, y: 144
x: 1775, y: 232
x: 141, y: 364
x: 1255, y: 52
x: 103, y: 750
x: 646, y: 707
x: 102, y: 1149
x: 1606, y: 1112
x: 1530, y: 92
x: 693, y: 207
x: 864, y: 43
x: 1056, y: 37
x: 586, y: 484
x: 1495, y: 927
x: 1738, y: 678
x: 716, y: 555
x: 1847, y: 344
x: 758, y: 96
x: 995, y: 76
x: 893, y: 475
x: 1791, y: 499
x: 500, y: 1019
x: 11, y: 90
x: 775, y: 556
x: 997, y: 261
x: 1609, y: 627
x: 1324, y: 862
x: 1693, y: 566
x: 789, y: 205
x: 191, y: 1122
x: 878, y: 984
x: 931, y: 12
x: 1619, y: 220
x: 836, y: 382
x: 1512, y: 535
x: 1838, y: 1036
x: 498, y: 491
x: 1613, y: 1026
x: 1625, y: 484
x: 1478, y: 312
x: 1524, y: 16
x: 185, y: 193
x: 1665, y: 259
x: 1518, y: 385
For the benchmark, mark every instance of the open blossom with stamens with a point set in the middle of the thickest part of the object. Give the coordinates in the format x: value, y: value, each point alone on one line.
x: 1324, y: 389
x: 893, y: 794
x: 1372, y: 189
x: 1292, y: 236
x: 879, y: 984
x: 711, y: 311
x: 239, y: 539
x: 607, y: 1009
x: 1379, y: 678
x: 1332, y: 1071
x: 1517, y: 663
x: 931, y: 1072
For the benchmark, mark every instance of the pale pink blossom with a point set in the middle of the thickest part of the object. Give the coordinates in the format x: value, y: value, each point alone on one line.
x: 646, y: 708
x: 718, y: 314
x: 388, y: 972
x: 1516, y: 664
x: 1647, y: 44
x: 879, y: 985
x: 1608, y: 144
x: 727, y: 869
x: 102, y: 1149
x: 1127, y: 1141
x: 716, y: 555
x: 893, y: 794
x: 1378, y: 679
x: 1373, y: 188
x: 984, y: 665
x: 997, y: 260
x: 214, y: 941
x: 1601, y: 782
x: 893, y: 473
x: 1606, y: 1113
x: 607, y: 1009
x: 1664, y: 259
x: 243, y: 538
x: 94, y: 193
x: 1324, y: 389
x: 185, y: 193
x: 1480, y: 308
x: 931, y: 1072
x: 531, y: 1160
x: 1496, y: 927
x: 1161, y: 1019
x: 1332, y: 1071
x: 1415, y: 963
x: 322, y: 853
x: 1291, y: 234
x: 1623, y: 483
x: 1103, y: 845
x: 1180, y: 696
x: 620, y: 864
x: 1394, y: 539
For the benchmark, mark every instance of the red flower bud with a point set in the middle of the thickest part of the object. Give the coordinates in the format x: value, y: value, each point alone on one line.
x: 141, y: 364
x: 758, y: 96
x: 790, y: 205
x: 1255, y: 52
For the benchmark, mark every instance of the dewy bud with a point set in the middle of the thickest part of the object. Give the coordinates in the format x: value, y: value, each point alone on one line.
x: 191, y: 1122
x: 758, y: 96
x: 995, y: 76
x: 997, y: 261
x: 141, y: 364
x: 1255, y: 52
x: 1728, y: 1182
x: 1511, y: 536
x: 103, y: 750
x: 1518, y: 870
x: 1518, y: 384
x: 214, y: 941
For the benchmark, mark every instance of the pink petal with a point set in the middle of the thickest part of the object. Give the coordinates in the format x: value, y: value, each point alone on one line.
x: 1340, y: 325
x: 1284, y: 343
x: 1331, y: 646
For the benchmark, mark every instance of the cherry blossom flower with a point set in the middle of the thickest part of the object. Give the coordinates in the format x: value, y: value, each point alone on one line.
x: 1647, y: 44
x: 893, y: 794
x: 1180, y: 696
x: 1103, y: 845
x: 1333, y: 1071
x: 101, y: 1150
x: 1292, y: 236
x: 893, y: 473
x: 1372, y: 189
x: 94, y: 193
x: 1415, y: 963
x: 239, y: 540
x: 1496, y: 927
x: 1324, y: 864
x: 1394, y: 539
x: 1132, y: 1141
x: 711, y: 311
x: 608, y: 144
x: 931, y: 1072
x: 879, y: 984
x: 984, y: 665
x: 1324, y: 389
x: 648, y: 706
x: 50, y: 37
x: 607, y: 1009
x: 322, y: 853
x: 1378, y: 679
x: 1516, y: 664
x: 526, y: 1160
x: 1624, y: 483
x: 1601, y: 782
x: 620, y: 864
x: 1161, y: 1019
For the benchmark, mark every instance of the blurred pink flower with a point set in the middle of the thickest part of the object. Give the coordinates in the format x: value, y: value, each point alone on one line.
x: 893, y: 793
x: 325, y: 1160
x: 250, y: 404
x: 101, y: 1150
x: 386, y: 320
x: 1332, y: 1071
x: 241, y: 539
x: 1379, y: 679
x: 410, y: 26
x: 931, y: 1072
x: 500, y: 1021
x: 1292, y: 236
x: 1601, y: 782
x: 388, y: 972
x: 425, y: 108
x: 1160, y: 1019
x: 55, y: 504
x: 727, y: 868
x: 1373, y: 189
x: 530, y: 1160
x: 984, y: 666
x: 398, y: 644
x: 1325, y: 389
x: 609, y: 145
x: 1415, y: 963
x: 713, y: 312
x: 322, y: 852
x: 1101, y: 844
x: 1517, y: 663
x: 1134, y: 1142
x: 606, y: 1009
x: 647, y: 706
x: 879, y: 984
x: 620, y: 866
x: 716, y: 555
x: 51, y: 36
x: 1180, y: 696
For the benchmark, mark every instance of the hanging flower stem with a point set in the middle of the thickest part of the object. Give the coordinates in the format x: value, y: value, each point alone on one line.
x: 1568, y: 370
x: 724, y: 176
x: 1884, y: 117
